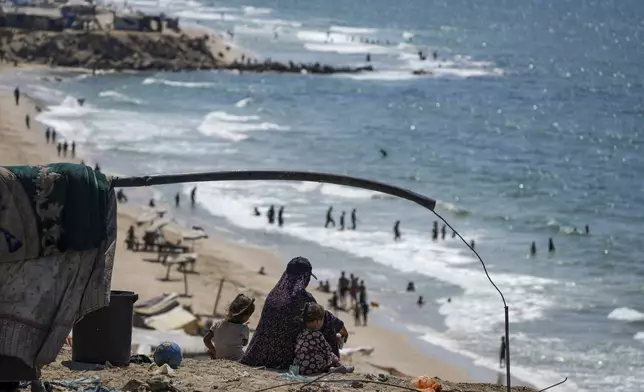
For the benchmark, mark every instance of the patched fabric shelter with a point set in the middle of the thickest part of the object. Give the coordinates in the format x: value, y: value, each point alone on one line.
x: 57, y: 243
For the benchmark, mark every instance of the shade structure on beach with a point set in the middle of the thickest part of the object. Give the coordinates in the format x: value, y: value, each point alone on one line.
x: 150, y: 215
x: 157, y: 224
x: 175, y: 233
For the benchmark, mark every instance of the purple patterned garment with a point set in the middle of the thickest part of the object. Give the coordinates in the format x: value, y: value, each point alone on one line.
x: 273, y: 343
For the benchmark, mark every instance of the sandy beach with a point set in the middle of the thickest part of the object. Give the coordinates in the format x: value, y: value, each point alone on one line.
x: 218, y: 258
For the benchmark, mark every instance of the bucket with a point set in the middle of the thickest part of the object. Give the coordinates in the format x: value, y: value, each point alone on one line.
x: 105, y: 335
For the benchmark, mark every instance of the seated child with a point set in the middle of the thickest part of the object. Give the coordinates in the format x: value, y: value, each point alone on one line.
x: 226, y: 338
x: 313, y: 354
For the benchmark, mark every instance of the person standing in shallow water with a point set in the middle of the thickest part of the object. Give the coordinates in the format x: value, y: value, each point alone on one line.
x: 65, y: 148
x: 271, y: 214
x: 551, y: 246
x: 177, y: 200
x: 16, y: 95
x: 193, y: 196
x: 354, y: 219
x: 329, y: 218
x: 397, y: 231
x: 53, y: 135
x: 342, y: 220
x: 59, y: 148
x: 280, y: 217
x: 502, y: 353
x: 533, y: 249
x: 73, y: 149
x: 47, y: 135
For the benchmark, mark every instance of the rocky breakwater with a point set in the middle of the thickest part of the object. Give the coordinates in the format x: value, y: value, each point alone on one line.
x: 138, y: 51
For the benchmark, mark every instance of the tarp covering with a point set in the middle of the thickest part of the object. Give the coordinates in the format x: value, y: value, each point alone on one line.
x: 57, y: 242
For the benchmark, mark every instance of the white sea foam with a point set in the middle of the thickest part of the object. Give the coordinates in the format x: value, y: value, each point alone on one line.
x: 639, y: 336
x: 115, y: 95
x: 353, y: 30
x: 242, y: 103
x: 626, y: 314
x: 173, y: 83
x: 233, y: 127
x: 249, y: 10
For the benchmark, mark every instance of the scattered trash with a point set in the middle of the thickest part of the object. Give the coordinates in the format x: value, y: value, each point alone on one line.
x: 135, y: 385
x: 139, y: 359
x: 382, y: 377
x: 426, y: 384
x: 357, y: 384
x: 164, y: 370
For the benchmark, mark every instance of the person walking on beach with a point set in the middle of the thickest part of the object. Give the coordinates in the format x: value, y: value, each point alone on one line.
x: 65, y: 147
x: 353, y: 290
x: 397, y: 231
x: 271, y: 214
x: 329, y: 218
x: 73, y: 149
x: 364, y: 307
x: 362, y: 292
x: 502, y: 353
x: 16, y: 95
x: 342, y: 220
x: 193, y: 196
x: 280, y: 217
x: 177, y: 200
x: 47, y: 135
x: 353, y: 219
x: 59, y: 148
x: 343, y: 288
x: 28, y: 121
x: 53, y: 135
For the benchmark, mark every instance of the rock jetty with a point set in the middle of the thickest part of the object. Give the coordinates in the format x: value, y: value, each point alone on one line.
x: 123, y: 50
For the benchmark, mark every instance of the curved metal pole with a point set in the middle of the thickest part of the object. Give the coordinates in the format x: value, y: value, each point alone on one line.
x: 276, y: 175
x: 284, y: 175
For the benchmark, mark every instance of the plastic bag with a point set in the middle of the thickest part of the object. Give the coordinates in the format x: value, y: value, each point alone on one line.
x: 426, y: 384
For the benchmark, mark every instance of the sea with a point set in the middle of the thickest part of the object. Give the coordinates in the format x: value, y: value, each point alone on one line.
x: 527, y: 126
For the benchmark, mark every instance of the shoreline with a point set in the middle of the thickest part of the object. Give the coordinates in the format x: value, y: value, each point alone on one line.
x: 217, y: 257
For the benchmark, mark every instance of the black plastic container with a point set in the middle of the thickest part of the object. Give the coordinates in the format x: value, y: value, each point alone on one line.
x: 105, y: 335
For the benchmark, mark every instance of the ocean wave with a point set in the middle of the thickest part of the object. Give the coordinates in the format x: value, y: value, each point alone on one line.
x: 242, y: 103
x: 115, y: 95
x: 233, y: 127
x: 173, y: 83
x: 250, y: 10
x: 353, y: 30
x: 626, y: 314
x: 639, y: 336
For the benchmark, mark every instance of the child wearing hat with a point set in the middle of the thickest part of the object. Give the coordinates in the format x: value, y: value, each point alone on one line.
x: 226, y: 338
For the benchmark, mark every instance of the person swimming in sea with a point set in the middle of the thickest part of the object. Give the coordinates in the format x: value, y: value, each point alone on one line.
x: 384, y: 153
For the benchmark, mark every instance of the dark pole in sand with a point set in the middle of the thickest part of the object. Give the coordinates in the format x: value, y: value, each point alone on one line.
x: 283, y: 175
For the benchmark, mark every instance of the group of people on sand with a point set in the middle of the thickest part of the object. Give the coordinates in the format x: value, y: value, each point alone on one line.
x: 50, y: 133
x: 294, y: 331
x: 355, y: 291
